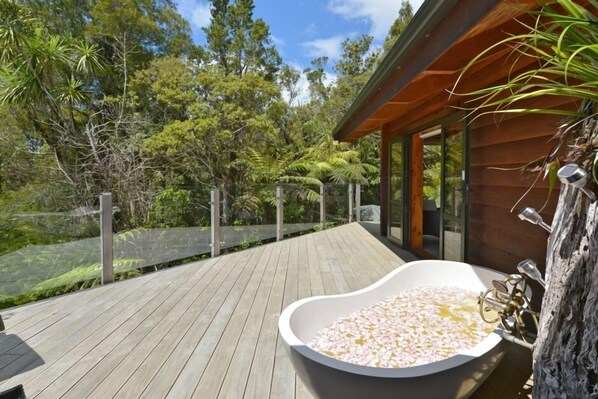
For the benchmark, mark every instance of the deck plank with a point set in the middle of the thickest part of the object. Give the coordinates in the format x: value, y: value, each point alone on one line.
x: 206, y: 384
x: 32, y: 313
x: 75, y: 317
x: 142, y: 363
x: 341, y: 264
x: 129, y: 313
x: 303, y: 272
x: 365, y: 253
x: 235, y: 380
x: 191, y: 357
x: 303, y: 291
x: 316, y: 282
x: 160, y: 319
x: 51, y: 347
x: 260, y: 376
x: 163, y: 366
x: 283, y: 379
x: 332, y: 264
x: 349, y: 262
x: 209, y: 278
x: 136, y: 323
x: 35, y: 321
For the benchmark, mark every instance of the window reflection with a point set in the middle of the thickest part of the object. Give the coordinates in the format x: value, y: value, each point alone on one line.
x: 453, y: 192
x: 396, y: 191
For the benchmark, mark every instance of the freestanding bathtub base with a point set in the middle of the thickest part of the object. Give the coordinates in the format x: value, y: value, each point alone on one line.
x: 329, y: 383
x: 327, y: 378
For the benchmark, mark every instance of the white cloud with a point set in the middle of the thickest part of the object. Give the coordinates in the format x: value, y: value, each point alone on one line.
x: 277, y: 40
x: 302, y: 90
x: 201, y: 15
x: 302, y: 95
x: 380, y: 13
x: 196, y: 12
x: 330, y: 47
x: 330, y: 79
x: 311, y: 29
x: 416, y: 4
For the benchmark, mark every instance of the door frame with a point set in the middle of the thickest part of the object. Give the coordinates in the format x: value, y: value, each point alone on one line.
x: 405, y: 187
x: 406, y: 140
x: 466, y: 172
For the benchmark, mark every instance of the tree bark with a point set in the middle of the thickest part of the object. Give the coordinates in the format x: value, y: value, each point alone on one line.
x: 566, y: 350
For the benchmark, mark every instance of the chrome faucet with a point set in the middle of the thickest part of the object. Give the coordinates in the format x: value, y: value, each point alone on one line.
x: 506, y: 303
x: 529, y: 268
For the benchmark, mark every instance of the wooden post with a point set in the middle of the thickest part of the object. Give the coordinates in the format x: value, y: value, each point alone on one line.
x: 351, y: 202
x: 416, y: 210
x: 215, y: 221
x: 357, y: 202
x: 279, y: 214
x: 322, y: 207
x: 384, y: 182
x: 106, y: 237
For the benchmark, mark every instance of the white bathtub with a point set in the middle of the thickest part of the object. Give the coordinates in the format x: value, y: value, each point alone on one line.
x: 455, y: 377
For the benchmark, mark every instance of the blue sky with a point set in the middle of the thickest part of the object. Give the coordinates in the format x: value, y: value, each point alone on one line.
x: 306, y: 29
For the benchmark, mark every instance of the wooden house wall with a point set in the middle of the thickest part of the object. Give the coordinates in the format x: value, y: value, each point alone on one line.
x: 497, y: 238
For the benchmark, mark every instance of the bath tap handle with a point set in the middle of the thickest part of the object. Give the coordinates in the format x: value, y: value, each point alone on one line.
x: 500, y: 286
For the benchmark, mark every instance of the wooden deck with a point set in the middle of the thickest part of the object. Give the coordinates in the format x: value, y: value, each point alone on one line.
x: 202, y: 330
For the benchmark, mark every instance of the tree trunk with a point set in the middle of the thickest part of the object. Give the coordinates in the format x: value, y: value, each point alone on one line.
x: 566, y: 351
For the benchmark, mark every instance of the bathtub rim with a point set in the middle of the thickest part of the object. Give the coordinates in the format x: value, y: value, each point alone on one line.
x: 294, y: 343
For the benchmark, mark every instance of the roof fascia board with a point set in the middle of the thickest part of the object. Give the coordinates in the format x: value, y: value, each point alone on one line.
x: 426, y: 20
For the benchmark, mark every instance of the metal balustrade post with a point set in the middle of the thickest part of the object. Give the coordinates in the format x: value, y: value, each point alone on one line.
x: 357, y: 202
x: 351, y: 209
x: 215, y: 221
x: 322, y: 207
x: 106, y: 237
x: 279, y: 214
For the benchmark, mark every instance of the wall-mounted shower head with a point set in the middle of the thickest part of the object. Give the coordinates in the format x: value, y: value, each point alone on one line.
x: 530, y: 269
x: 576, y: 176
x: 531, y: 215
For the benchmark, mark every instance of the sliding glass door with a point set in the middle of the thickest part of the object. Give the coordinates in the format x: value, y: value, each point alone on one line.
x: 453, y: 192
x: 397, y: 192
x: 427, y: 192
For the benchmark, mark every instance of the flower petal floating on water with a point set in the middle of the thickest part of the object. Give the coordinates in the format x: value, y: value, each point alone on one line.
x: 415, y: 327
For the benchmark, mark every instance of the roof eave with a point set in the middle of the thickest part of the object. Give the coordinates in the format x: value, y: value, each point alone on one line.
x: 430, y: 14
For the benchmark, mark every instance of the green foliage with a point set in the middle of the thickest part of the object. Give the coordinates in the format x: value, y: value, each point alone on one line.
x: 432, y: 169
x: 151, y: 27
x: 171, y: 208
x: 61, y: 16
x: 399, y: 25
x: 238, y: 43
x: 19, y: 230
x: 316, y: 76
x: 164, y: 90
x: 355, y: 59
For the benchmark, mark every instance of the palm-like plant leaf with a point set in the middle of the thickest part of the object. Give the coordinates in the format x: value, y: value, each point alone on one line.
x: 89, y: 60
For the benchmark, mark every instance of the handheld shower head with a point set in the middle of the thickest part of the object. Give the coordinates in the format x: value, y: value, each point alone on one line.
x: 530, y: 269
x: 529, y: 214
x: 576, y: 176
